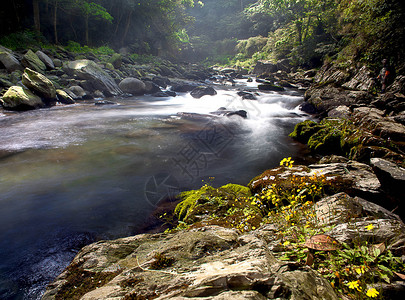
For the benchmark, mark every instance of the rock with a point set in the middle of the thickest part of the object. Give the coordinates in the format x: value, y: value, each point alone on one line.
x: 78, y: 92
x: 201, y: 91
x: 246, y: 95
x: 46, y: 60
x: 95, y: 77
x: 270, y: 87
x: 19, y: 98
x: 342, y: 112
x: 57, y: 63
x: 228, y: 113
x: 161, y: 81
x: 151, y: 88
x: 105, y: 102
x: 381, y: 126
x: 265, y: 67
x: 183, y: 86
x: 329, y: 73
x: 206, y: 263
x: 341, y: 208
x: 9, y: 61
x: 64, y: 97
x: 363, y: 80
x: 165, y: 94
x: 39, y: 84
x: 390, y: 175
x: 116, y: 60
x: 132, y: 86
x: 32, y: 61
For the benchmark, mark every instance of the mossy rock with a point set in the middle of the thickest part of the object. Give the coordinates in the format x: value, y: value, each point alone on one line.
x: 116, y: 60
x: 304, y: 130
x: 326, y: 141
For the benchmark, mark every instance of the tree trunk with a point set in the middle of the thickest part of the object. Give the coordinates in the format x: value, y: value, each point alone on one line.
x: 87, y: 29
x: 128, y: 24
x: 37, y: 20
x: 55, y: 21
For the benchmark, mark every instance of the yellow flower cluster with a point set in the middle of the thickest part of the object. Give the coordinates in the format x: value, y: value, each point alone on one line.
x: 287, y: 162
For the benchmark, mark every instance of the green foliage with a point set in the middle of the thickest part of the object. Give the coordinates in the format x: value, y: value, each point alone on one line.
x: 21, y: 40
x: 161, y: 261
x: 77, y: 48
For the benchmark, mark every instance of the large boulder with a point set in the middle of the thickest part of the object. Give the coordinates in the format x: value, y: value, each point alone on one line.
x: 206, y: 263
x: 265, y: 67
x: 95, y: 77
x: 201, y: 91
x: 362, y: 80
x: 133, y: 86
x: 9, y: 61
x: 391, y: 176
x: 46, y: 60
x: 32, y: 61
x: 39, y: 84
x: 183, y: 86
x: 19, y: 98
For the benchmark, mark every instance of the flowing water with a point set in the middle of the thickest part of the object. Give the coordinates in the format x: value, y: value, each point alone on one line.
x: 71, y: 175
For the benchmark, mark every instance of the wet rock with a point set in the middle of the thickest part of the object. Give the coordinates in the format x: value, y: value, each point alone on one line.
x: 265, y: 67
x: 133, y: 86
x: 183, y: 86
x: 46, y: 60
x: 104, y: 102
x: 9, y: 61
x: 64, y: 97
x: 228, y: 113
x: 32, y: 61
x: 39, y: 84
x: 270, y: 87
x: 247, y: 95
x: 201, y: 91
x: 95, y: 77
x: 19, y: 98
x: 165, y: 94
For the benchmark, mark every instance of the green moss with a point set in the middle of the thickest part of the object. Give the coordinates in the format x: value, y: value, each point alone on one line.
x: 304, y: 130
x: 326, y: 140
x: 79, y: 282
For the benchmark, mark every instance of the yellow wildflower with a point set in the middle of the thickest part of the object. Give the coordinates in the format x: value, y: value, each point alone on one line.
x: 372, y: 293
x: 354, y: 285
x: 370, y: 227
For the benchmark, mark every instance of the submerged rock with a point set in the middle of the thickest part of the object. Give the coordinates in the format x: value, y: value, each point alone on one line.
x: 19, y: 98
x: 270, y: 87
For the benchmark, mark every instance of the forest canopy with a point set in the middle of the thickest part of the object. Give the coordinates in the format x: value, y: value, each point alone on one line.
x: 238, y: 32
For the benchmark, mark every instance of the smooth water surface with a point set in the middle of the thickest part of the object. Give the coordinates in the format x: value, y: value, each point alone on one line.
x: 71, y: 175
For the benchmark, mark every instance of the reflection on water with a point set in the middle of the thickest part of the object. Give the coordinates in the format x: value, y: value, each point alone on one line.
x: 75, y: 174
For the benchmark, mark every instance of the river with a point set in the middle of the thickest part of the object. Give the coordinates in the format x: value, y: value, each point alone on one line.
x: 72, y: 175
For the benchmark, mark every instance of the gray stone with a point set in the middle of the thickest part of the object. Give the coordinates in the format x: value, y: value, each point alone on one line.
x: 10, y: 61
x: 96, y: 78
x: 46, y: 60
x: 39, y: 84
x: 133, y: 86
x: 57, y: 63
x: 209, y: 263
x: 32, y: 61
x: 363, y: 80
x: 64, y: 97
x: 342, y: 112
x: 391, y: 176
x: 78, y: 92
x: 19, y: 98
